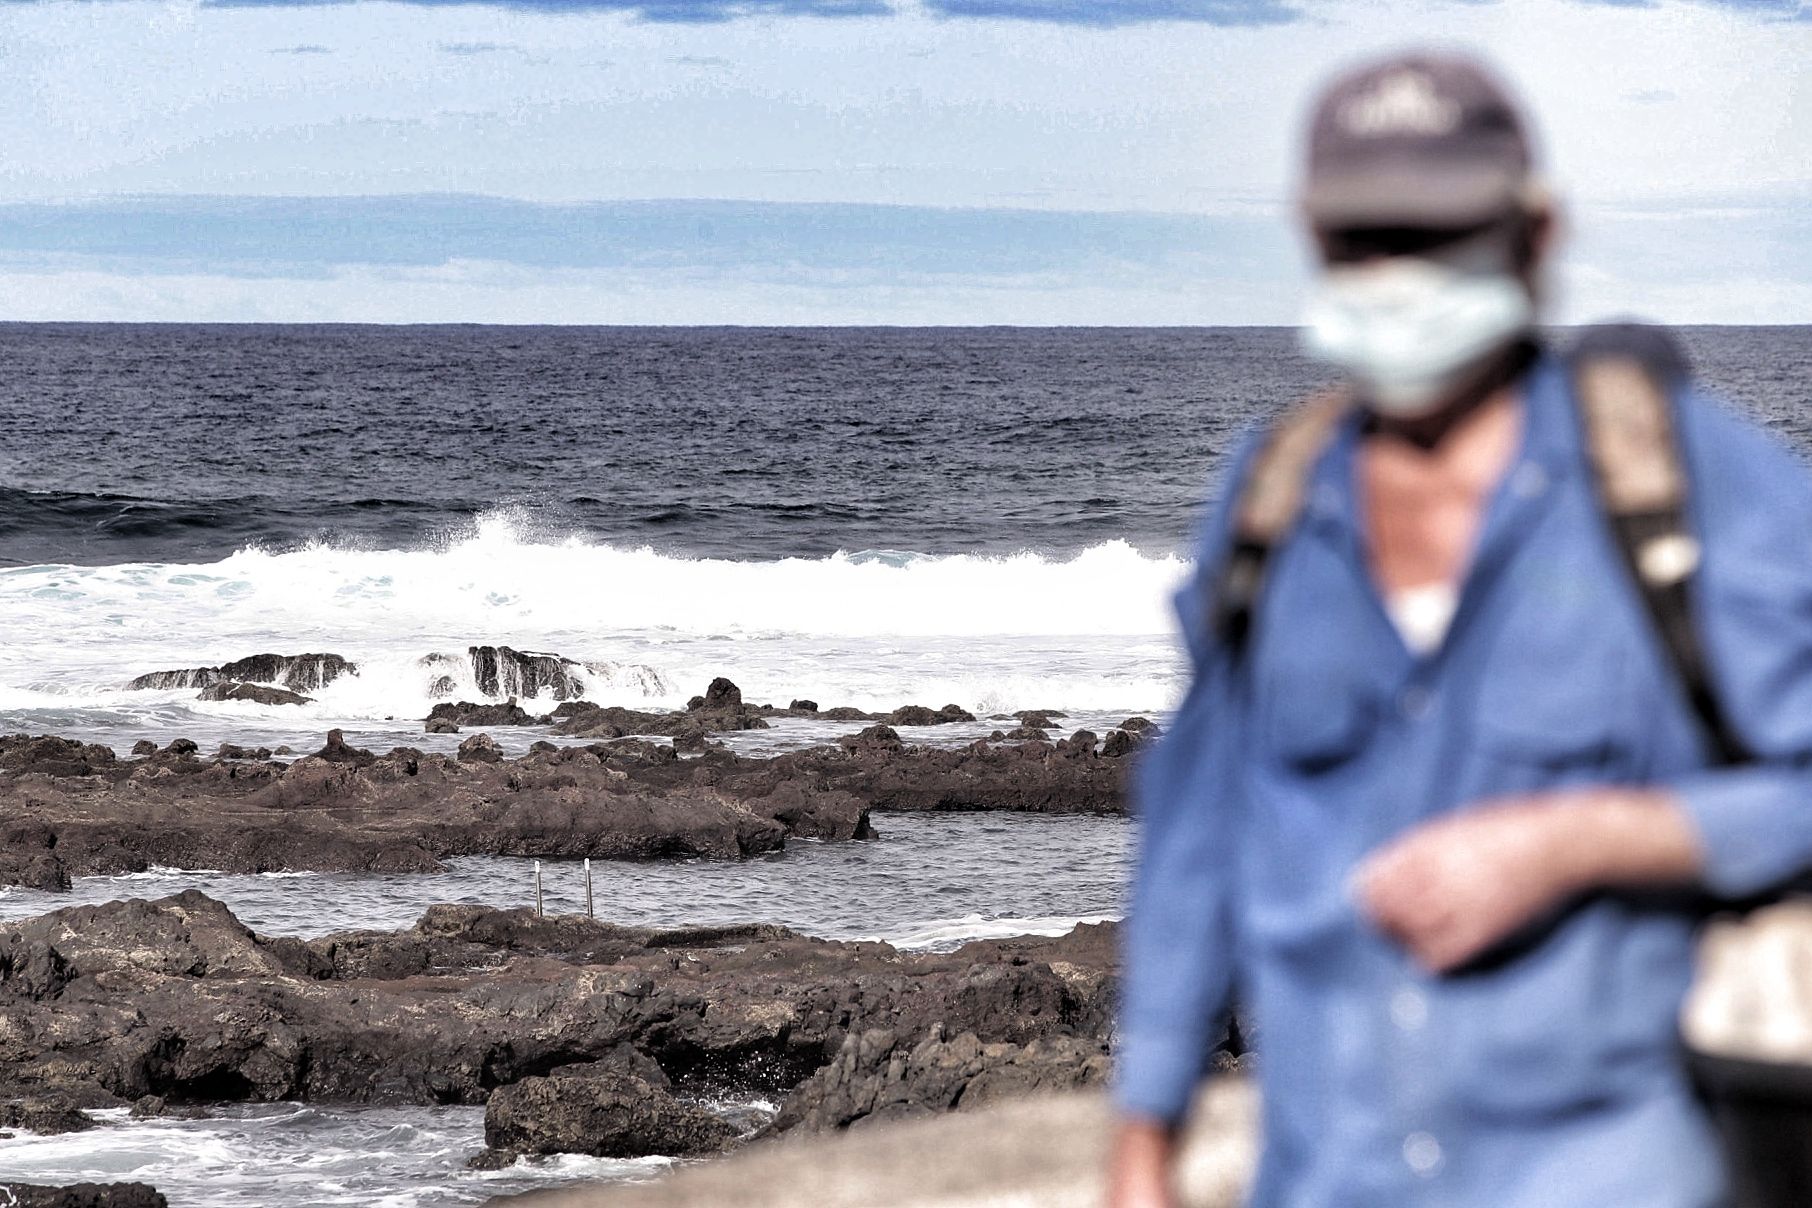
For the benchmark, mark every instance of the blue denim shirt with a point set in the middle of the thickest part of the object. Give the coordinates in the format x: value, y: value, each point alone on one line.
x: 1548, y: 1074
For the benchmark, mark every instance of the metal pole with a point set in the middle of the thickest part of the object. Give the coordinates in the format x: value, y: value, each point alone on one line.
x: 537, y: 887
x: 589, y: 913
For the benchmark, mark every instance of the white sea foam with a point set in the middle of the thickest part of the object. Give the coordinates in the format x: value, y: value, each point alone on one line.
x: 501, y: 577
x: 872, y: 629
x: 953, y: 933
x: 403, y: 1157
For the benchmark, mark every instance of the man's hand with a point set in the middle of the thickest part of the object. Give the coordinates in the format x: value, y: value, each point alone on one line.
x: 1138, y: 1173
x: 1455, y: 886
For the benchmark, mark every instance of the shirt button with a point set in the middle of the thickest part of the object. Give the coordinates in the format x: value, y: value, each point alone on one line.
x: 1409, y: 1008
x: 1416, y: 703
x: 1422, y: 1153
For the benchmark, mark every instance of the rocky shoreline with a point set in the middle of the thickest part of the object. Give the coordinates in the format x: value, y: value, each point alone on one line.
x: 576, y: 1034
x: 69, y: 809
x: 82, y: 1195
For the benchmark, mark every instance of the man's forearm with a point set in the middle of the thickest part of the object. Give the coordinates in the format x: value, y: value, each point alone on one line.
x: 1452, y: 887
x: 1614, y: 836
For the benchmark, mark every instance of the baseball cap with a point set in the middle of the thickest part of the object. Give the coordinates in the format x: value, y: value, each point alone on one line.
x: 1415, y: 140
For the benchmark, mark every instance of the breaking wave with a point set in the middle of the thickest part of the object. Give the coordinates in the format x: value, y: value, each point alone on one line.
x: 503, y: 577
x: 873, y: 628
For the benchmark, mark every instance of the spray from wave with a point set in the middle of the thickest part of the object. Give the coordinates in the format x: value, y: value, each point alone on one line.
x: 873, y: 628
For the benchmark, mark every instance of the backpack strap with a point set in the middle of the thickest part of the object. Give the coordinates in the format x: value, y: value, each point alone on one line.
x: 1266, y: 509
x: 1624, y: 389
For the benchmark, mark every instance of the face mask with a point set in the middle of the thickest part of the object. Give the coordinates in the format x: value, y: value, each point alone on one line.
x: 1409, y: 329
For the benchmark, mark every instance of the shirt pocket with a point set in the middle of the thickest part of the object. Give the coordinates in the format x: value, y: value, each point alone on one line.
x: 1554, y: 701
x: 1314, y: 723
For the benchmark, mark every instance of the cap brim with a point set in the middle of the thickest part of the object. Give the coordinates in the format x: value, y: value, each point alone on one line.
x: 1419, y: 195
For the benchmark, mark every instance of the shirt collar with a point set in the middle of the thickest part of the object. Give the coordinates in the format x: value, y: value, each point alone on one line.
x: 1549, y: 452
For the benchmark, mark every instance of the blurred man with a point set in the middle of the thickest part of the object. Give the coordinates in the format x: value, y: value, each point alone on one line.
x: 1468, y: 727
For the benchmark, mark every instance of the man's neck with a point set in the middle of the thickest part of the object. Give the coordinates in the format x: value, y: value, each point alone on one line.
x: 1494, y: 383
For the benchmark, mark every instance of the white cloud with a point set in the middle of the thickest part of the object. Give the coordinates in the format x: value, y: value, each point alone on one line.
x: 491, y: 292
x: 1646, y: 113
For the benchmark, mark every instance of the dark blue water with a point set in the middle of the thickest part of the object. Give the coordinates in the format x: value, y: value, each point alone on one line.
x: 183, y: 443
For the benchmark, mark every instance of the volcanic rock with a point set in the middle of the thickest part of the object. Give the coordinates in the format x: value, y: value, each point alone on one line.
x: 876, y: 771
x: 256, y: 693
x: 176, y: 998
x: 82, y: 1195
x: 501, y: 671
x: 721, y: 694
x: 465, y: 713
x: 480, y: 748
x: 913, y: 715
x: 845, y: 713
x: 28, y: 860
x: 803, y: 706
x: 720, y: 709
x: 297, y: 672
x: 53, y: 756
x: 345, y: 809
x: 68, y: 810
x: 336, y: 751
x: 606, y: 1114
x: 46, y: 1119
x: 919, y: 715
x: 880, y: 1075
x: 875, y: 738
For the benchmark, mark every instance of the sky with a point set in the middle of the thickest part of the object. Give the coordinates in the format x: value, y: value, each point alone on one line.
x: 842, y: 161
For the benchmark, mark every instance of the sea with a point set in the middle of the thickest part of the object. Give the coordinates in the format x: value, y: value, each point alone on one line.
x: 990, y: 517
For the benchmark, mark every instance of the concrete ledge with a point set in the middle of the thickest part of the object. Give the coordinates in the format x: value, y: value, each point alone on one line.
x: 1034, y: 1153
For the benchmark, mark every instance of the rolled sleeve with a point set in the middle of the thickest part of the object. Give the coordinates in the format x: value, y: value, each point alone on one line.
x: 1754, y: 826
x: 1754, y: 820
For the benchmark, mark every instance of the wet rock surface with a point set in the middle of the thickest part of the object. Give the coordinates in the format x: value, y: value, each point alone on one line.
x: 258, y: 694
x: 886, y: 774
x: 82, y: 1195
x: 501, y: 671
x: 721, y: 709
x: 465, y: 713
x: 606, y: 1113
x: 176, y: 999
x: 883, y: 1075
x: 48, y: 1119
x: 72, y: 810
x: 296, y: 672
